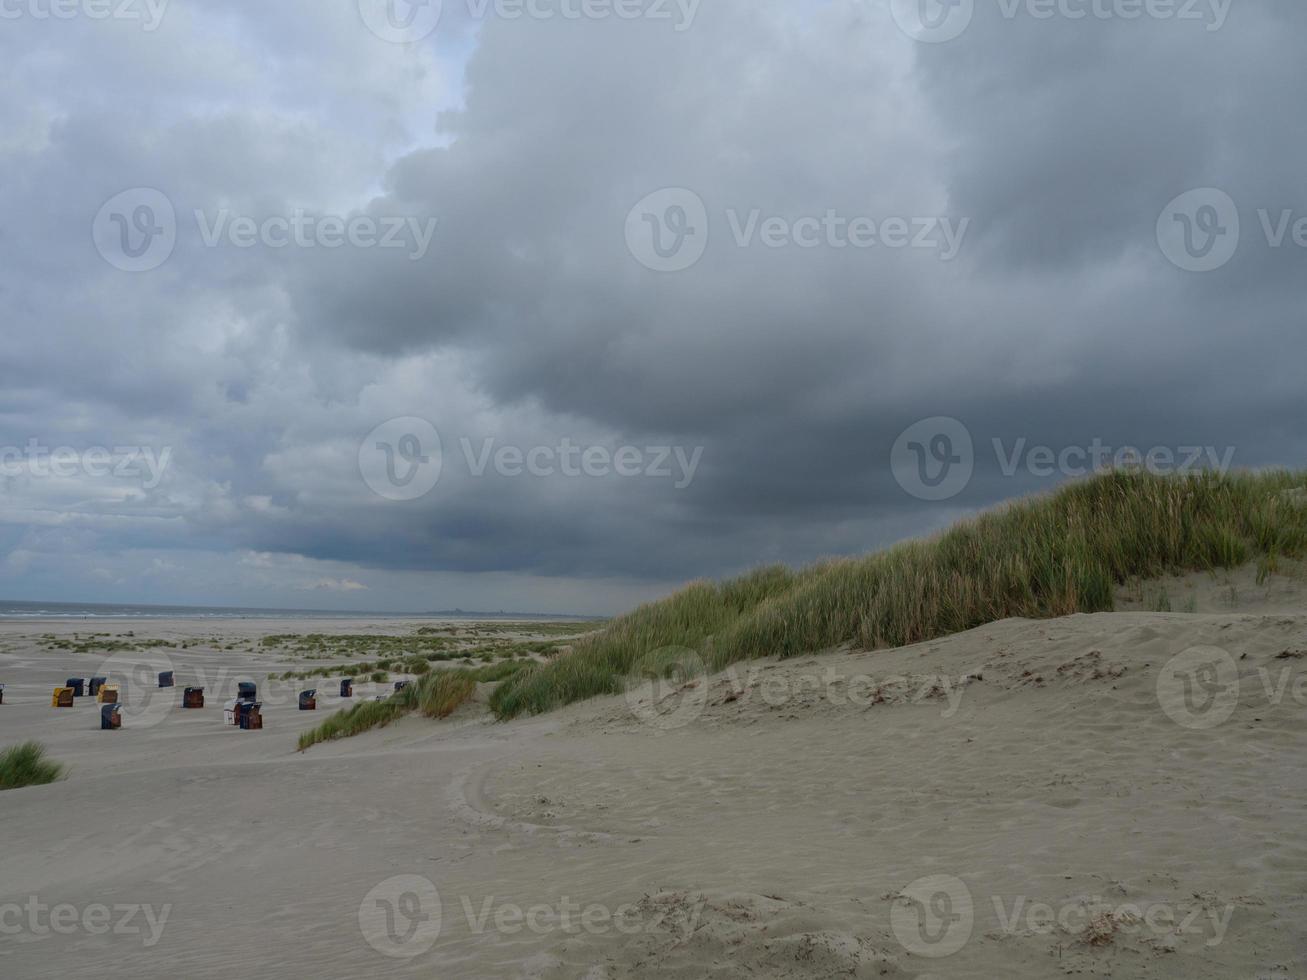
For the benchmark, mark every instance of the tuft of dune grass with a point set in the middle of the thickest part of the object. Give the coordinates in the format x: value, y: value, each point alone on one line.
x: 353, y: 720
x: 26, y: 765
x: 1050, y: 555
x: 447, y: 690
x: 437, y: 694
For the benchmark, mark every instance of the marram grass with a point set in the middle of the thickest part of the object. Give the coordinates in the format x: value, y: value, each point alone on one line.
x: 436, y: 694
x: 26, y: 765
x: 1049, y: 555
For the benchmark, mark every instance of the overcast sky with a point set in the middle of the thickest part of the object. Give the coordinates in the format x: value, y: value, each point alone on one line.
x: 678, y: 292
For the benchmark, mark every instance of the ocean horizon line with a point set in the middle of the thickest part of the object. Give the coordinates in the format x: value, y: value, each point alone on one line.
x: 34, y: 609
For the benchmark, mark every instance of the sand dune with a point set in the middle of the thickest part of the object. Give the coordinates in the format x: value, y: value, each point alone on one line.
x: 1032, y: 798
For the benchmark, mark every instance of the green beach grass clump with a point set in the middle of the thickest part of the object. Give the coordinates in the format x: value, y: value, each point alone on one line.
x: 437, y: 694
x: 440, y: 695
x: 354, y: 720
x: 26, y: 765
x: 1050, y: 555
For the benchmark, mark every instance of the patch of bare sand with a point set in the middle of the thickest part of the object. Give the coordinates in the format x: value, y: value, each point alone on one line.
x: 1017, y: 796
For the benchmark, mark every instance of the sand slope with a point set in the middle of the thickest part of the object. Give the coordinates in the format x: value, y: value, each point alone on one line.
x: 842, y: 815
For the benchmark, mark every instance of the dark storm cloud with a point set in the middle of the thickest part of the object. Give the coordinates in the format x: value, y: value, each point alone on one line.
x: 1059, y: 321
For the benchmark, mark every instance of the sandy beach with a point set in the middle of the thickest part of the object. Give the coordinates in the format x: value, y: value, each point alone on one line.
x: 1026, y: 797
x: 749, y: 490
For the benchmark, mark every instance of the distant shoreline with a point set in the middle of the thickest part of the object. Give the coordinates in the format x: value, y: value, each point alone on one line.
x: 46, y: 611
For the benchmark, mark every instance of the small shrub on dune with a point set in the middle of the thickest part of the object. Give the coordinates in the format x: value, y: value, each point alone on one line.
x: 26, y: 765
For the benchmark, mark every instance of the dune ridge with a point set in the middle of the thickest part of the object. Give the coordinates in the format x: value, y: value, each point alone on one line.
x: 1050, y: 555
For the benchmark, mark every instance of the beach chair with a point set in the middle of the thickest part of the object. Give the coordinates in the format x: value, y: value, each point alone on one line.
x: 62, y: 697
x: 246, y: 691
x: 347, y: 688
x: 96, y: 684
x: 251, y: 715
x: 165, y: 679
x: 108, y: 694
x: 78, y: 684
x: 193, y: 697
x: 308, y: 700
x: 110, y: 716
x: 229, y: 712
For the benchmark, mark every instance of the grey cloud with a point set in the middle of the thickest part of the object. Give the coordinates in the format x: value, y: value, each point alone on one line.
x: 1059, y: 321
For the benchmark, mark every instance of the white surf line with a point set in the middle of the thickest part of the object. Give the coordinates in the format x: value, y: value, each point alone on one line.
x: 465, y: 798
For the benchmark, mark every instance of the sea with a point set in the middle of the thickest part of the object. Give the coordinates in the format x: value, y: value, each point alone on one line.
x: 95, y: 610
